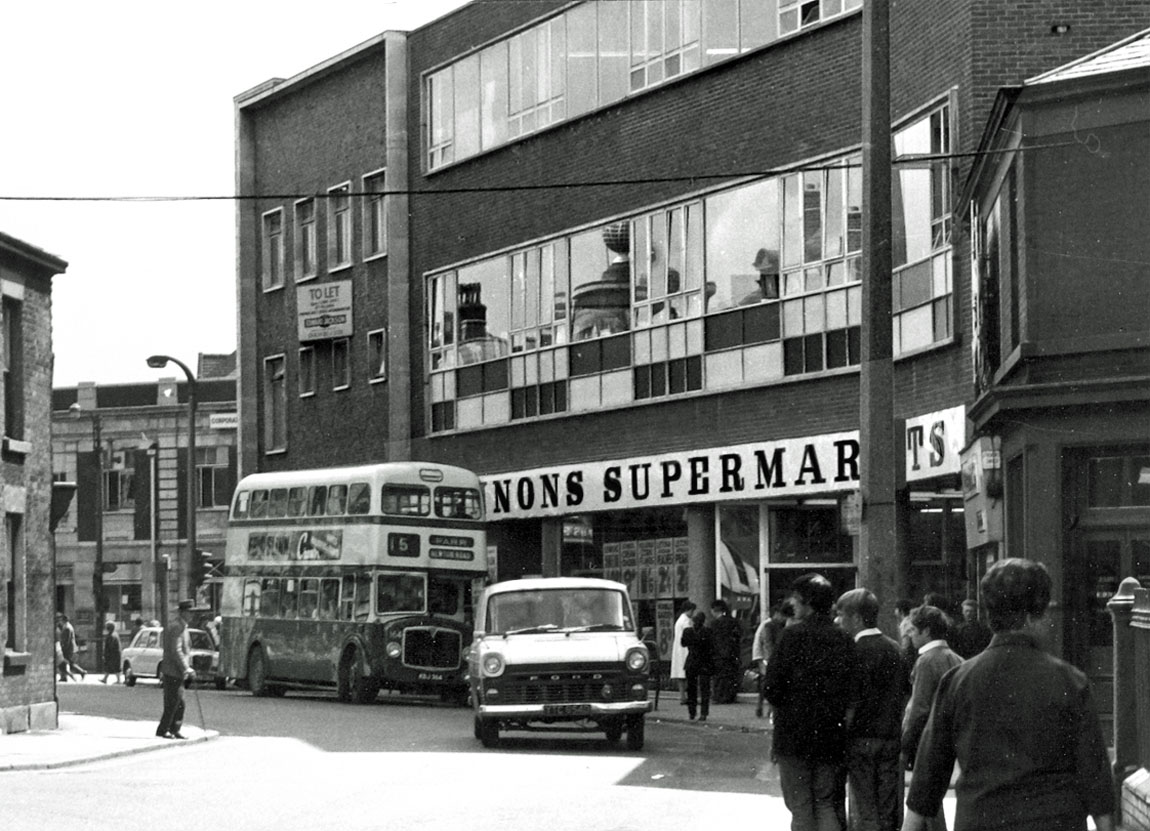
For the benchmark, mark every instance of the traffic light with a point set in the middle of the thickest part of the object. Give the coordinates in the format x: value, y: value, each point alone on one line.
x: 201, y: 567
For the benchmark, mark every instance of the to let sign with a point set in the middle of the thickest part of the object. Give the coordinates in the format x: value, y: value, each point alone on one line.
x: 324, y: 311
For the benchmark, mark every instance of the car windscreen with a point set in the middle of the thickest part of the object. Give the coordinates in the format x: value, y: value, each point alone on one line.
x: 547, y: 609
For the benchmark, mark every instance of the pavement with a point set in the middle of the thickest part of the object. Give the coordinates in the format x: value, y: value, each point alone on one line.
x: 81, y: 738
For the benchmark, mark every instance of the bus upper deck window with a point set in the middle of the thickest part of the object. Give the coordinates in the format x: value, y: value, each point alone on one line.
x: 359, y: 498
x: 277, y: 505
x: 458, y: 503
x: 406, y: 500
x: 297, y: 501
x: 241, y: 507
x: 336, y: 500
x: 259, y: 506
x: 317, y: 500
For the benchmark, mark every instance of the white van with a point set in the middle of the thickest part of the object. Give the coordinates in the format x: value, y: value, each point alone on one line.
x: 558, y: 651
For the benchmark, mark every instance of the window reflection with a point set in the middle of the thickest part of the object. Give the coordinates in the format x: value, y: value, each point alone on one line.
x: 482, y: 311
x: 600, y: 282
x: 742, y: 246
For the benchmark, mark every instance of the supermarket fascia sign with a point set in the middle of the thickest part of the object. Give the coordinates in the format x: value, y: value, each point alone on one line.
x: 789, y: 467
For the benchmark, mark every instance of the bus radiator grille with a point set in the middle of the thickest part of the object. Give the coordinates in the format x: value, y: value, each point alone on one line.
x: 431, y: 648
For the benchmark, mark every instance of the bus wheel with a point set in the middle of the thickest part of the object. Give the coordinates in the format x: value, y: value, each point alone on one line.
x: 353, y: 685
x: 635, y: 732
x: 258, y: 673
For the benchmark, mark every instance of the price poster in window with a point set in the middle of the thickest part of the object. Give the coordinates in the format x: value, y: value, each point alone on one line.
x: 629, y: 564
x: 682, y: 556
x: 665, y: 627
x: 647, y: 566
x: 611, y: 568
x: 665, y: 567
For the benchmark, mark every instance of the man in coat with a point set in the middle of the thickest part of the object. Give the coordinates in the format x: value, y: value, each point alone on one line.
x: 175, y: 670
x: 727, y: 643
x: 874, y: 770
x: 809, y: 682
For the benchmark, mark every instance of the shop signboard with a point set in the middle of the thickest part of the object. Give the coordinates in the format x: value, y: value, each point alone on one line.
x: 788, y: 467
x: 934, y: 443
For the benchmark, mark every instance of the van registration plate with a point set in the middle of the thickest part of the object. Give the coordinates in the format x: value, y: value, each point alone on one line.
x: 566, y: 709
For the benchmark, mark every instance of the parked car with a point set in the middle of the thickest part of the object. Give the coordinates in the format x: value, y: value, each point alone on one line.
x: 558, y: 652
x: 142, y: 656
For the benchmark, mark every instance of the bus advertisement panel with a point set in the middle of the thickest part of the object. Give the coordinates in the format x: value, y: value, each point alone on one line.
x: 355, y: 579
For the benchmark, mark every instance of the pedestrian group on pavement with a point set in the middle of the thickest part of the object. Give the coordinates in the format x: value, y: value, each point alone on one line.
x: 853, y: 710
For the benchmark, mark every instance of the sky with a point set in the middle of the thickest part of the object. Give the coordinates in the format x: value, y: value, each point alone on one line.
x: 121, y: 98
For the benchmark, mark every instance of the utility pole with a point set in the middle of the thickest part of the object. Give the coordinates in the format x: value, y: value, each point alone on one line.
x: 880, y: 558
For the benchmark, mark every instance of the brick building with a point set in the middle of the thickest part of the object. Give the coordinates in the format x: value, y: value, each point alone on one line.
x: 1062, y: 348
x: 131, y: 503
x: 27, y: 686
x: 608, y: 256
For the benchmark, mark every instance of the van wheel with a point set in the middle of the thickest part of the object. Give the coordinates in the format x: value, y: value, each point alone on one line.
x: 635, y: 732
x: 488, y: 730
x: 614, y: 730
x: 221, y: 682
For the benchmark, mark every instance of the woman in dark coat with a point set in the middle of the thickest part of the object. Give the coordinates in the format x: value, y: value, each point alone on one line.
x: 111, y: 653
x: 699, y: 666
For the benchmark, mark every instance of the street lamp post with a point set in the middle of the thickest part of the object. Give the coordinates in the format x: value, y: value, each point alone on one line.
x: 98, y: 567
x: 159, y: 362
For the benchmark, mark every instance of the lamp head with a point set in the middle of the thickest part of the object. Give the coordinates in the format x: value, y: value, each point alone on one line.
x: 74, y: 409
x: 157, y: 361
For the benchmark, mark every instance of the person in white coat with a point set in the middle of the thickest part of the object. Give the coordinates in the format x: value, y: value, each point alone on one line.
x: 679, y: 652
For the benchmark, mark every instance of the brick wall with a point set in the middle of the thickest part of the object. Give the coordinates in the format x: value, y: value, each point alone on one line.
x: 27, y: 693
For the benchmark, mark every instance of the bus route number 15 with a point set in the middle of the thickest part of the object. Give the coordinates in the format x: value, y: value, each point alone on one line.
x: 403, y: 545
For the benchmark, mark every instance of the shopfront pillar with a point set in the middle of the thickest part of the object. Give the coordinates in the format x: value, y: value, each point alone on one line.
x: 1121, y: 607
x: 702, y: 576
x: 552, y: 546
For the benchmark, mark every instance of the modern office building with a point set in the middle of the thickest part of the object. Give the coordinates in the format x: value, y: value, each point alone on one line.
x: 28, y: 679
x: 130, y: 511
x: 608, y: 255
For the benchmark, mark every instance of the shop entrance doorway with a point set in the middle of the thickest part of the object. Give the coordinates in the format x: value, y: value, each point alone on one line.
x: 1107, y: 557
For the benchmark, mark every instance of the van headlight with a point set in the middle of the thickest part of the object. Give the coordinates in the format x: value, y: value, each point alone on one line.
x: 637, y: 659
x: 493, y: 665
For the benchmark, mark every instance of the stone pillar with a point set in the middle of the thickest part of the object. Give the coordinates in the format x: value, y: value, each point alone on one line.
x: 701, y: 574
x: 552, y: 545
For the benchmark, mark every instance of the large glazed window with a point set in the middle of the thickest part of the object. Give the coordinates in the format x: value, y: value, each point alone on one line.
x: 589, y: 56
x: 921, y: 233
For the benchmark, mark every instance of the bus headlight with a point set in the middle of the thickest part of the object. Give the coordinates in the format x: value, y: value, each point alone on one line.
x: 637, y: 659
x: 394, y: 650
x: 492, y: 665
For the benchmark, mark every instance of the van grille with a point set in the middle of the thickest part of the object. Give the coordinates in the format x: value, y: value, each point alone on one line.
x: 561, y: 687
x: 429, y: 647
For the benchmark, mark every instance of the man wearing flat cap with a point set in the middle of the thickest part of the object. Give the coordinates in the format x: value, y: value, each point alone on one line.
x: 175, y: 669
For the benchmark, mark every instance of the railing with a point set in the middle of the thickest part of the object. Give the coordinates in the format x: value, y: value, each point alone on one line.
x: 1130, y: 610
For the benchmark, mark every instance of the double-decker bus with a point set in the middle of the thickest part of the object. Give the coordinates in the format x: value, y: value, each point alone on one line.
x: 355, y: 579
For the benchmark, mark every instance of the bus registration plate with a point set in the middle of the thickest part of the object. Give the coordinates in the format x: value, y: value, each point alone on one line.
x: 566, y: 709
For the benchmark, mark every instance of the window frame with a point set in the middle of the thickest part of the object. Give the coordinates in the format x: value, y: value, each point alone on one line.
x: 306, y: 237
x: 267, y: 278
x: 375, y: 204
x: 377, y: 356
x: 340, y: 227
x: 338, y: 346
x: 275, y: 394
x: 305, y: 382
